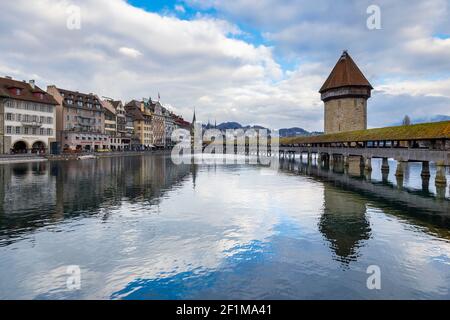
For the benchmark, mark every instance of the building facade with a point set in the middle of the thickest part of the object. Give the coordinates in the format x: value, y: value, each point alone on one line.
x: 80, y: 121
x: 345, y: 94
x: 169, y: 127
x: 141, y: 115
x: 159, y: 133
x: 27, y: 118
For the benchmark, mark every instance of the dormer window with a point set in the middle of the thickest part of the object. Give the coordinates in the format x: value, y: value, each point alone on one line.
x: 39, y: 95
x: 15, y: 91
x: 69, y: 101
x: 80, y: 103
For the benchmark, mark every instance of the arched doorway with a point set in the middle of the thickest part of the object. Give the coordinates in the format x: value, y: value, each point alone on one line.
x: 38, y: 147
x: 19, y: 147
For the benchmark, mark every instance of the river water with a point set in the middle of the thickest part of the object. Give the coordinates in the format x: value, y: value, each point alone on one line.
x: 140, y: 227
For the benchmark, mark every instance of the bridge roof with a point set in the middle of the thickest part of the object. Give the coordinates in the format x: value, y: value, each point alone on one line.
x: 422, y: 131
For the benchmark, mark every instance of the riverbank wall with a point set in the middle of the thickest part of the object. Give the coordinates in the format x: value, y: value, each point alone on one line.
x: 11, y: 159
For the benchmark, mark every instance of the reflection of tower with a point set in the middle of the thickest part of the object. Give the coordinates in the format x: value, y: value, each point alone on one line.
x: 194, y: 170
x: 344, y: 223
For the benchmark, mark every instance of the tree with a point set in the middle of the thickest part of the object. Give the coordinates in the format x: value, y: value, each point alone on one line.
x: 406, y: 121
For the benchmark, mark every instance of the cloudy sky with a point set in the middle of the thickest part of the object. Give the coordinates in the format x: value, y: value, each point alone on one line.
x: 251, y: 61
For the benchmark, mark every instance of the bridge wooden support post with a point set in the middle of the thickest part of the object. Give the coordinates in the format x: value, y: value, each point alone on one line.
x: 400, y: 172
x: 331, y: 161
x: 310, y: 158
x: 425, y: 174
x: 367, y: 164
x: 385, y: 165
x: 441, y: 179
x: 346, y: 161
x: 367, y: 161
x: 385, y: 170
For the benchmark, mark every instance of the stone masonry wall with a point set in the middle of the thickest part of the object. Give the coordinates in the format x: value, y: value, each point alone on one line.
x: 345, y: 114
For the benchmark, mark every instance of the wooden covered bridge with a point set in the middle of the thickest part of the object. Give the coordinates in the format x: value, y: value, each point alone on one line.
x: 425, y: 143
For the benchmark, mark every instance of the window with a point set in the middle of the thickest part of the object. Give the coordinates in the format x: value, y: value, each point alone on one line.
x: 34, y: 131
x: 41, y: 131
x: 9, y: 116
x: 49, y: 131
x: 80, y: 104
x: 18, y: 91
x: 68, y: 118
x: 8, y: 129
x: 26, y: 130
x: 42, y: 119
x: 18, y: 131
x: 19, y: 117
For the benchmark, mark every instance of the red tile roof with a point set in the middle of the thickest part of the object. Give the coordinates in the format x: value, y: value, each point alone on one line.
x: 345, y: 73
x: 28, y: 93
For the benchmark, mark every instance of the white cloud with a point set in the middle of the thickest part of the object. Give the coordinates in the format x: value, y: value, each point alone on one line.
x: 130, y: 52
x: 179, y: 8
x: 125, y: 52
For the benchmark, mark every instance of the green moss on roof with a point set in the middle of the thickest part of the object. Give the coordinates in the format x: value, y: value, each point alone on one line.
x: 422, y: 131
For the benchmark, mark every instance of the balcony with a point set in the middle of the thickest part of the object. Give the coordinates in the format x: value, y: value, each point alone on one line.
x: 32, y: 124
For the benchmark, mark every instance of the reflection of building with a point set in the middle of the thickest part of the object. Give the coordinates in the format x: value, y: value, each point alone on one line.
x: 34, y: 194
x: 27, y: 117
x: 345, y: 95
x: 80, y: 120
x: 344, y: 223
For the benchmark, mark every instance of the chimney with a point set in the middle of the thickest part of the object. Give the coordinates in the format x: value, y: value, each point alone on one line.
x: 32, y: 84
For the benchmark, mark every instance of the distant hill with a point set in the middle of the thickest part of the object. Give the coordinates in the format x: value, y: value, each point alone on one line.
x: 229, y: 125
x: 293, y: 132
x: 285, y: 132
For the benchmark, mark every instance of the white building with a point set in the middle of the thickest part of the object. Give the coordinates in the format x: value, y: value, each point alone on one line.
x: 27, y: 118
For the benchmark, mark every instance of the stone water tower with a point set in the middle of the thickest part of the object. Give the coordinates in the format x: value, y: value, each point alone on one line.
x: 345, y: 95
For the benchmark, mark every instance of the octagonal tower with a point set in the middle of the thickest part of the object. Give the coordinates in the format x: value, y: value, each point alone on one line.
x: 345, y: 94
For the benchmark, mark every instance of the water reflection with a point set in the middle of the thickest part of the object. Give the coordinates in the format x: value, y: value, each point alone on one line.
x: 344, y: 223
x: 143, y: 228
x: 34, y: 195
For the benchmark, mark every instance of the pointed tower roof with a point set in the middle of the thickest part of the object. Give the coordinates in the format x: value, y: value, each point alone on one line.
x: 345, y: 73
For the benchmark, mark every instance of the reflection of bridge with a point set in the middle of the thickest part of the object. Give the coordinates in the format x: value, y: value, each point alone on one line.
x: 379, y: 190
x: 424, y: 143
x: 344, y: 221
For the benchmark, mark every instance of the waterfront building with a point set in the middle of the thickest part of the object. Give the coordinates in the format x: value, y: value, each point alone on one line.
x: 130, y: 133
x: 157, y: 124
x: 180, y: 123
x: 141, y: 116
x: 80, y: 121
x: 121, y: 132
x: 111, y: 125
x: 27, y: 117
x: 345, y: 94
x: 169, y: 127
